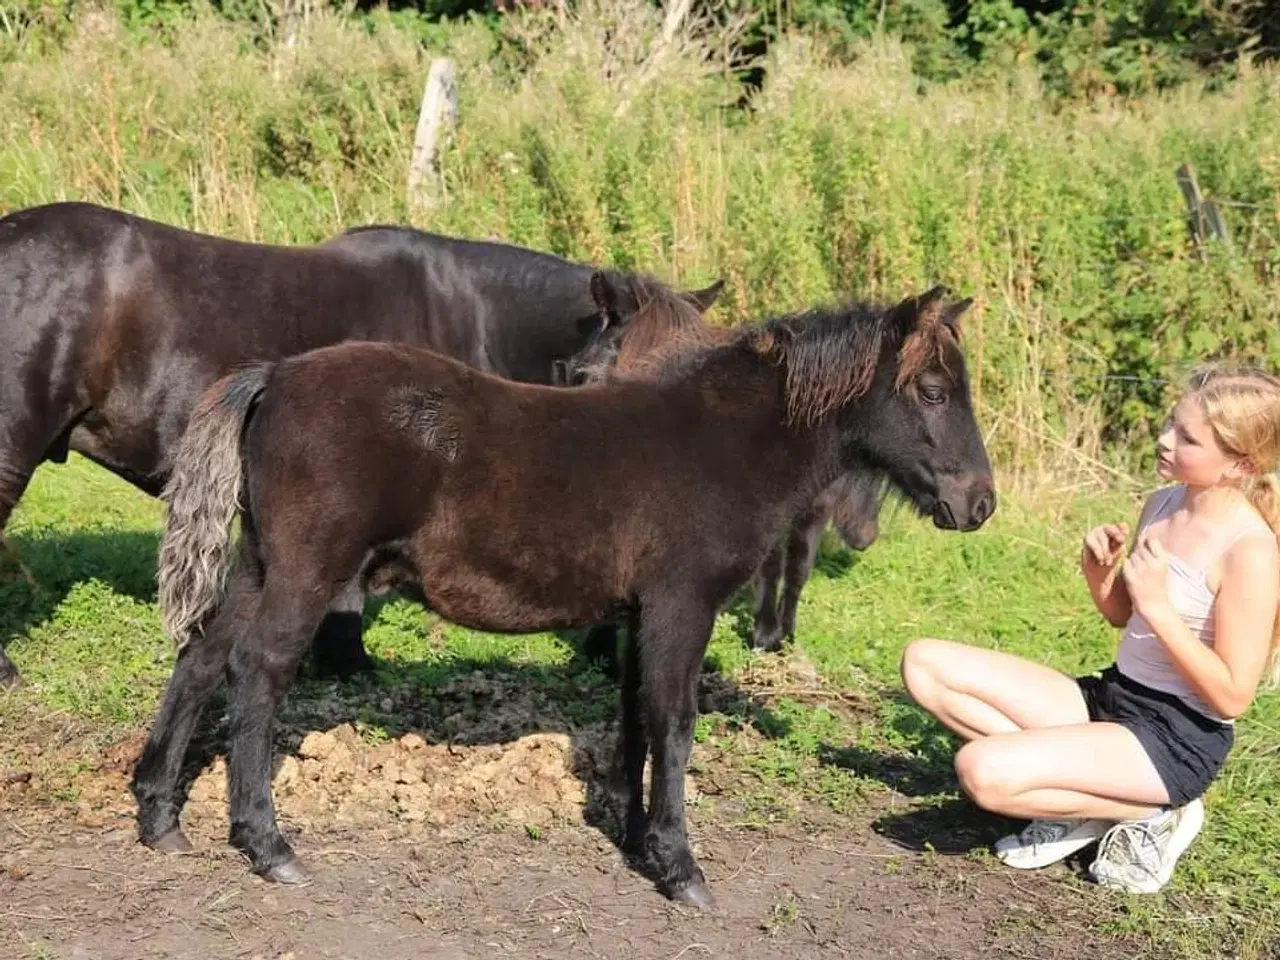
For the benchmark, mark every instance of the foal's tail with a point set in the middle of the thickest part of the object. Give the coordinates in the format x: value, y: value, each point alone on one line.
x: 202, y: 498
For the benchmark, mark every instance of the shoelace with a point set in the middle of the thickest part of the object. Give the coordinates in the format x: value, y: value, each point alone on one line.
x: 1045, y: 831
x: 1136, y: 843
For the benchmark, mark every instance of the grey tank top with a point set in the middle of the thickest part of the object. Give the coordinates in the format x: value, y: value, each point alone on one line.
x: 1141, y: 656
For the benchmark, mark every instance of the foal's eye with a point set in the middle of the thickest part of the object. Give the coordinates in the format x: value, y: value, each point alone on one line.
x: 931, y: 394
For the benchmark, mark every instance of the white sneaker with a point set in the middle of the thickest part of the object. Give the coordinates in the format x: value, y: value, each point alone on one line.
x: 1138, y: 856
x: 1043, y: 842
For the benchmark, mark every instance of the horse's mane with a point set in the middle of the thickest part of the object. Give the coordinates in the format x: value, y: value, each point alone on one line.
x: 830, y: 354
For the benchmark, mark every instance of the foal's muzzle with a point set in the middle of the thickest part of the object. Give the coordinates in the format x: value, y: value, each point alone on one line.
x: 964, y: 503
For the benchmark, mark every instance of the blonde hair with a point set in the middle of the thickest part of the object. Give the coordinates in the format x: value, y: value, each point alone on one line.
x: 1242, y: 406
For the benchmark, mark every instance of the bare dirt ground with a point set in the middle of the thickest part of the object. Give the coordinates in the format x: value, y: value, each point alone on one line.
x: 424, y: 849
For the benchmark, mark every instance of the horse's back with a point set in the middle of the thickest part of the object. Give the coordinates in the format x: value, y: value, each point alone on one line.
x: 112, y: 323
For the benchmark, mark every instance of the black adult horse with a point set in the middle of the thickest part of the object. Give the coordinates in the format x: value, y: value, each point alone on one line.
x: 401, y: 467
x: 111, y: 326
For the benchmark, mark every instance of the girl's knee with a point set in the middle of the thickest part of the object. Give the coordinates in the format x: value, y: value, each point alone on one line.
x: 920, y: 667
x: 983, y: 774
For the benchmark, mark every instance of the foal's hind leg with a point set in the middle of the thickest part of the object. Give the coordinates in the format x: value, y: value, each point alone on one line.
x: 766, y: 631
x: 263, y: 665
x: 802, y: 551
x: 339, y: 646
x: 200, y: 665
x: 601, y: 644
x: 674, y: 632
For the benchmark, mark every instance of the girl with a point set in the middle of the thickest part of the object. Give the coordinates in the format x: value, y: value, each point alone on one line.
x: 1123, y: 756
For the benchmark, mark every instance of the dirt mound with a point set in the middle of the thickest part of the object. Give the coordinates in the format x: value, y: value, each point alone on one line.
x: 339, y: 777
x: 479, y: 746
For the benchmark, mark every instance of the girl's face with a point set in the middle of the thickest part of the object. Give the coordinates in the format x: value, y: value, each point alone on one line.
x: 1189, y: 452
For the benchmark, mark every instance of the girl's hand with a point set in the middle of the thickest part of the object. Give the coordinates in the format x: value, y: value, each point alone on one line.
x: 1146, y: 576
x: 1102, y: 546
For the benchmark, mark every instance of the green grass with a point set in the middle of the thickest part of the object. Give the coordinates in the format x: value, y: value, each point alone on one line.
x: 88, y: 640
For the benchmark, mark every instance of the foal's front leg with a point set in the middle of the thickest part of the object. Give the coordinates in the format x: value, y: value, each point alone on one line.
x: 263, y: 667
x: 802, y: 551
x: 766, y: 632
x: 673, y: 637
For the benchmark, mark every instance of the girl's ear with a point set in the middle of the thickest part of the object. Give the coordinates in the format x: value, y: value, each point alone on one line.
x: 1241, y: 468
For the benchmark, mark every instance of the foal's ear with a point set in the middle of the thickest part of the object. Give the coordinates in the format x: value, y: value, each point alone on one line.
x: 930, y: 298
x: 951, y: 315
x: 915, y: 308
x: 615, y: 299
x: 703, y: 300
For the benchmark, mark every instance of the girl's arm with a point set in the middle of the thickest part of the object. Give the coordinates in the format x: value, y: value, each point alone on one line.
x: 1226, y: 675
x: 1107, y: 590
x: 1099, y: 562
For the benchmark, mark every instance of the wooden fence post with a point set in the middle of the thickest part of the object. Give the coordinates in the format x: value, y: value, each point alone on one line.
x: 1203, y: 216
x: 439, y: 102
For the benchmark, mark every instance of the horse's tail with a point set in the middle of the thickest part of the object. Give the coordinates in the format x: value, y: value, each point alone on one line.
x: 202, y: 498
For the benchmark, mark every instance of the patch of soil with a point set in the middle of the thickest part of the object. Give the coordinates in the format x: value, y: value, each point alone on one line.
x: 467, y: 892
x: 336, y: 777
x: 444, y: 850
x: 459, y: 823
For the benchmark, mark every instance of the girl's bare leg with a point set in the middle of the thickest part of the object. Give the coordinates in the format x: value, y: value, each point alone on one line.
x: 1085, y: 771
x: 978, y: 692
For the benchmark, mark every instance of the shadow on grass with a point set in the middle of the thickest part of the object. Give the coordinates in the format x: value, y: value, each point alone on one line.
x: 918, y: 757
x: 38, y: 572
x: 952, y: 826
x: 943, y: 819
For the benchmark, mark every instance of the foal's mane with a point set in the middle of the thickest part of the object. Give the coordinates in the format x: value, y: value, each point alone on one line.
x: 830, y: 354
x: 664, y: 324
x: 664, y: 327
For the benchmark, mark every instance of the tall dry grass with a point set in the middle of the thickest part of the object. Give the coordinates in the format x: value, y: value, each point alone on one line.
x: 1063, y: 219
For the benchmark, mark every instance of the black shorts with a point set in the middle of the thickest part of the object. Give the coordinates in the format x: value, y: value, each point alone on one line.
x: 1186, y: 747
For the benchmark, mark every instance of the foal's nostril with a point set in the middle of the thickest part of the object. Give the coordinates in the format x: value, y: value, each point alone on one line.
x: 985, y: 506
x: 947, y: 514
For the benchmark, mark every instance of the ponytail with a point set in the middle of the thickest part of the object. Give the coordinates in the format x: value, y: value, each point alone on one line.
x: 1263, y: 492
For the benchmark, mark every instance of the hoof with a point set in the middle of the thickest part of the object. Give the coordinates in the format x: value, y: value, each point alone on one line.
x: 767, y: 644
x: 694, y: 894
x: 289, y: 872
x: 632, y: 843
x: 347, y: 668
x: 175, y: 841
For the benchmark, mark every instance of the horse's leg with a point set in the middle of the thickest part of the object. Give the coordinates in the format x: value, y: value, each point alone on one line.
x: 601, y: 643
x: 802, y: 551
x: 263, y: 664
x: 766, y: 632
x: 674, y: 632
x: 626, y: 781
x: 22, y: 447
x: 195, y: 676
x: 339, y: 645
